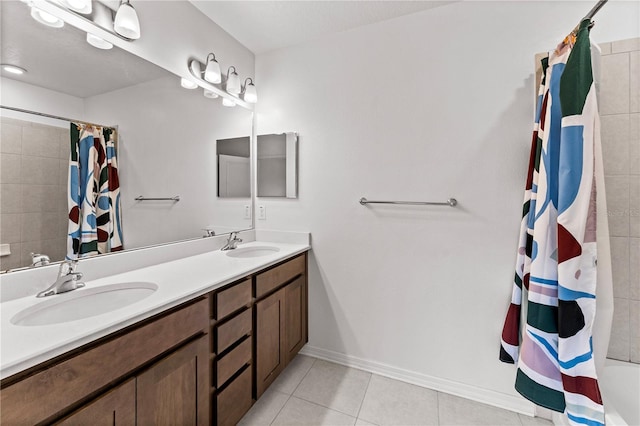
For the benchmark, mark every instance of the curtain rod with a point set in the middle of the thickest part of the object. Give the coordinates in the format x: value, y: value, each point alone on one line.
x: 595, y: 9
x: 56, y: 117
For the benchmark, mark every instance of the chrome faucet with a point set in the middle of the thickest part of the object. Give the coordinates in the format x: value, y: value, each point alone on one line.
x: 38, y: 260
x: 67, y: 279
x: 232, y: 242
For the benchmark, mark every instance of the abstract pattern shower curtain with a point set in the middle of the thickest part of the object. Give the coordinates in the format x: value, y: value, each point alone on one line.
x: 93, y: 193
x: 557, y: 250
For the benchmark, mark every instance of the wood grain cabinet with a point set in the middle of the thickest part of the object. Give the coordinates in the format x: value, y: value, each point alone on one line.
x: 204, y: 362
x: 280, y: 319
x: 115, y: 407
x: 153, y: 366
x: 232, y: 352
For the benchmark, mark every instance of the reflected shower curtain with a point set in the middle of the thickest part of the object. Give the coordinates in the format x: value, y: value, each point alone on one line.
x: 557, y: 249
x: 93, y: 193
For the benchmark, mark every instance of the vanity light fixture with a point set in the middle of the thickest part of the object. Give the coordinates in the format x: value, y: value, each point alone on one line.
x: 13, y: 69
x: 249, y: 91
x: 187, y: 84
x: 228, y: 102
x: 210, y: 94
x: 126, y: 23
x: 80, y: 6
x: 96, y: 41
x: 46, y: 18
x: 212, y: 70
x: 233, y: 81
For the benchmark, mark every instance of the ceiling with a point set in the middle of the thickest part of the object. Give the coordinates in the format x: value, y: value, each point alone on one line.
x: 52, y: 61
x: 267, y: 25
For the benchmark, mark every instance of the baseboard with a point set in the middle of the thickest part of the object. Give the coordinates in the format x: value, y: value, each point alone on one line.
x: 485, y: 396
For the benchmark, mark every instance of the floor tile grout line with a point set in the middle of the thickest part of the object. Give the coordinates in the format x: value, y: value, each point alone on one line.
x: 331, y: 408
x: 364, y: 396
x: 324, y: 406
x: 280, y: 410
x: 291, y: 394
x: 305, y: 375
x: 438, y: 407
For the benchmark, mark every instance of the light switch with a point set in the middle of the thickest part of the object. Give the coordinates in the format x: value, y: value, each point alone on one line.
x: 247, y: 211
x: 262, y: 212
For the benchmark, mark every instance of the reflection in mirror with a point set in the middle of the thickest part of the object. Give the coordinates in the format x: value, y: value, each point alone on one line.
x: 166, y: 142
x: 278, y: 165
x: 234, y: 167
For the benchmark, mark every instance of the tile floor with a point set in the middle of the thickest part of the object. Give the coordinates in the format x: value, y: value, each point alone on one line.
x: 316, y: 392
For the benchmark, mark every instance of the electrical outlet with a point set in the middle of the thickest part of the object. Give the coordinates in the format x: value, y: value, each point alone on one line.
x: 262, y: 212
x: 247, y: 211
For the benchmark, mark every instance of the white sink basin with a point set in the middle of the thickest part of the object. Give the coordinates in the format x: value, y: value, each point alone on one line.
x: 256, y: 251
x: 83, y: 303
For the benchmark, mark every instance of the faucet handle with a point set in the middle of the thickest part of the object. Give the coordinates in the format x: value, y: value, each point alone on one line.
x: 67, y: 267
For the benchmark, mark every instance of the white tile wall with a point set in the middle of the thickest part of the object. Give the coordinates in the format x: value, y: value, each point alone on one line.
x: 619, y: 107
x: 33, y: 202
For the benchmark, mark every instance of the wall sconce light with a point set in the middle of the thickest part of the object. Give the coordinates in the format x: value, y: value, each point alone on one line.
x: 46, y: 18
x: 188, y: 84
x: 126, y: 23
x: 212, y: 71
x: 249, y: 91
x: 233, y: 81
x: 228, y: 102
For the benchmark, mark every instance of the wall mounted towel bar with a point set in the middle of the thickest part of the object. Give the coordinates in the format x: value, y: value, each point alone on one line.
x: 142, y: 198
x: 451, y: 202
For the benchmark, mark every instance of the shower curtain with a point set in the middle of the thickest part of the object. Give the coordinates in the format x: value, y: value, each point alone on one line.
x: 93, y: 193
x: 557, y: 255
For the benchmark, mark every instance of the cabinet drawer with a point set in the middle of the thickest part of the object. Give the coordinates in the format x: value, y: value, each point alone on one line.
x: 42, y: 395
x: 232, y: 362
x: 235, y: 400
x: 231, y: 331
x: 232, y: 299
x: 279, y: 275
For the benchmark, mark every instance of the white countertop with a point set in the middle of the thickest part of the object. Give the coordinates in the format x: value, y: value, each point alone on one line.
x: 178, y: 281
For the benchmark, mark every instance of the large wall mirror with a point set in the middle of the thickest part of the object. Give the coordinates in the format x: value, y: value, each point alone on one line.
x: 166, y: 143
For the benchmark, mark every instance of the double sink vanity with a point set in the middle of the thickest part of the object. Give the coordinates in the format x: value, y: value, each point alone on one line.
x: 189, y: 341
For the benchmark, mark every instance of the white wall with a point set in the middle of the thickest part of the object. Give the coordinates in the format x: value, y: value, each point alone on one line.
x: 167, y: 147
x: 423, y: 107
x: 33, y: 98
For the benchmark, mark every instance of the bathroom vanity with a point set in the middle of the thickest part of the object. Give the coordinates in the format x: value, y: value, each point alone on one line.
x: 204, y: 360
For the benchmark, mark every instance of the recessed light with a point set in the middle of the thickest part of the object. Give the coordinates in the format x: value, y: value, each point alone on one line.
x: 13, y: 69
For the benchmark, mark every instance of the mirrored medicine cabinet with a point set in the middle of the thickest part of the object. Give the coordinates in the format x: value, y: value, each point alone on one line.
x: 277, y: 156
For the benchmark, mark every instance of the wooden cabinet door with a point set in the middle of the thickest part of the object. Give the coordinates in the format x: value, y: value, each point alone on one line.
x: 175, y: 390
x: 295, y: 317
x: 271, y: 355
x: 115, y: 408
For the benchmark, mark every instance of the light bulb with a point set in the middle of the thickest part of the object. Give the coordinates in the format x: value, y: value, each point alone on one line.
x: 187, y: 84
x: 46, y: 18
x: 126, y: 23
x: 250, y: 93
x: 233, y: 82
x: 98, y: 42
x: 210, y: 94
x: 212, y: 71
x: 228, y: 102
